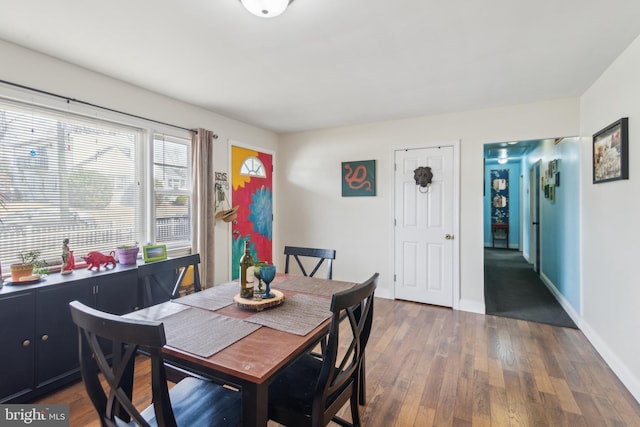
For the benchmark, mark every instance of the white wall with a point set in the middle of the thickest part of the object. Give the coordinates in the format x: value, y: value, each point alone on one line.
x: 610, y: 226
x: 312, y: 211
x: 28, y: 68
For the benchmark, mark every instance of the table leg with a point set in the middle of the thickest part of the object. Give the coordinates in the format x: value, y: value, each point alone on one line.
x: 255, y: 404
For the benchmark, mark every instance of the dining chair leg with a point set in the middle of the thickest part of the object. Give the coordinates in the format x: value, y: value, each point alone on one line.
x: 362, y: 384
x: 355, y: 412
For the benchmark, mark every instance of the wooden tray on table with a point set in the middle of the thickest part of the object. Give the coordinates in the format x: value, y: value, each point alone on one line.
x: 259, y: 305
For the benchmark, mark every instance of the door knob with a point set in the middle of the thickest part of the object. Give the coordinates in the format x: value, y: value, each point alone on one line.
x: 448, y: 236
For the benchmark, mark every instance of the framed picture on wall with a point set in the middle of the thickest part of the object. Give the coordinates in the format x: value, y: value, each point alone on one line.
x: 611, y: 152
x: 359, y: 178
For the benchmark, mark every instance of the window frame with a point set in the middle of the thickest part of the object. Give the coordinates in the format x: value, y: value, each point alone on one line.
x: 152, y: 214
x: 145, y: 220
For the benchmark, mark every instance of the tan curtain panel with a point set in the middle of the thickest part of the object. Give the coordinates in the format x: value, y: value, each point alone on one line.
x: 203, y: 203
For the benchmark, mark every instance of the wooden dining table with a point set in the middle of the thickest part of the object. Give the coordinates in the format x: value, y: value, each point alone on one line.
x: 252, y: 361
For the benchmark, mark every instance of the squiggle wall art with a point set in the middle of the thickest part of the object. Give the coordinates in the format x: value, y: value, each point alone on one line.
x: 359, y: 178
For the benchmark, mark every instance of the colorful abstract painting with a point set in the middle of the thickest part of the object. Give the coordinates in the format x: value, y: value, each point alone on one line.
x: 251, y: 180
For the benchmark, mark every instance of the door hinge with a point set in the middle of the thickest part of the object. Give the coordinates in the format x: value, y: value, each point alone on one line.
x: 394, y: 277
x: 395, y: 222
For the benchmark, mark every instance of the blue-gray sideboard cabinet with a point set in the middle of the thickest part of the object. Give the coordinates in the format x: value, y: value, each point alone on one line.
x: 38, y: 340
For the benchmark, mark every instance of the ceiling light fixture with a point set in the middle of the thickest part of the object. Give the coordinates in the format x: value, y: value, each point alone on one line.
x: 266, y: 8
x: 503, y: 160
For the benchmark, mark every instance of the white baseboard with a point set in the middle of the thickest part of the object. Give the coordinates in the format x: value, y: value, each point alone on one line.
x: 471, y: 306
x: 577, y: 319
x: 384, y: 293
x: 624, y: 374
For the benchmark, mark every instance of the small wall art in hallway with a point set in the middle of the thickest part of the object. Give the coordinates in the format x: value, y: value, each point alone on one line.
x: 499, y: 196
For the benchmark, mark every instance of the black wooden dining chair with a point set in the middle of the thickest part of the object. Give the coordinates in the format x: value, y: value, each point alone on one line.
x: 191, y: 402
x: 161, y: 281
x: 320, y: 254
x: 311, y: 391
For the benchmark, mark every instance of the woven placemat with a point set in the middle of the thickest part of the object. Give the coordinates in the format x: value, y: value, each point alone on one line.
x: 204, y: 333
x: 312, y: 285
x: 155, y: 312
x: 211, y: 299
x: 299, y: 315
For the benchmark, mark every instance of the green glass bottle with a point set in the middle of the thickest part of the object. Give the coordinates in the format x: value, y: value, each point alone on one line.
x: 247, y: 275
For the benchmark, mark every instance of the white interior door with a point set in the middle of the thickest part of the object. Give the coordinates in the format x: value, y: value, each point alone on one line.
x: 423, y: 240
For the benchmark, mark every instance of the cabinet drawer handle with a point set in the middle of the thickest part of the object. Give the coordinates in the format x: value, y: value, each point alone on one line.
x: 26, y: 343
x: 45, y: 337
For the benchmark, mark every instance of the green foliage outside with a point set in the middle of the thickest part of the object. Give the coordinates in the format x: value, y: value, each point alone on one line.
x: 90, y: 189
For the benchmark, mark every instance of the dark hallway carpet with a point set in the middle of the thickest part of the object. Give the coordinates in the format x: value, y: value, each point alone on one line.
x: 512, y: 289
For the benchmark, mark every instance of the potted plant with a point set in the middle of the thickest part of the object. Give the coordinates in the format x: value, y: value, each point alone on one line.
x: 29, y: 264
x: 128, y: 254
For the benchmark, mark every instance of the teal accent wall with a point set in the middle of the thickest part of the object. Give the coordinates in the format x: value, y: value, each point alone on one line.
x: 560, y: 220
x: 514, y: 169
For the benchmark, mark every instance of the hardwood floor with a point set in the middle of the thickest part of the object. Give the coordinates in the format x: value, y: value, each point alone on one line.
x: 432, y: 366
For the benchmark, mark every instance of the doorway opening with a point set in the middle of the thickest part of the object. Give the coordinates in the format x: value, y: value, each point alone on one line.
x: 525, y: 231
x: 252, y: 192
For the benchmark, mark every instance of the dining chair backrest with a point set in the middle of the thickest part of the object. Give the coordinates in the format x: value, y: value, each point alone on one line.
x: 162, y: 280
x: 312, y: 391
x: 127, y: 335
x: 191, y: 402
x: 320, y: 254
x: 338, y: 380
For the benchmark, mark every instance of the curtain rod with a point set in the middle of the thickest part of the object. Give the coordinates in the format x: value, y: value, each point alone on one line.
x: 89, y: 104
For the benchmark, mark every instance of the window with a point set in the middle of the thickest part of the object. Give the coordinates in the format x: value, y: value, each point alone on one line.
x: 172, y: 189
x: 252, y: 166
x: 68, y: 176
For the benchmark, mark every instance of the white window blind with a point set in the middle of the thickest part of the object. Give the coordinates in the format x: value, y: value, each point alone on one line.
x: 65, y: 176
x: 172, y: 189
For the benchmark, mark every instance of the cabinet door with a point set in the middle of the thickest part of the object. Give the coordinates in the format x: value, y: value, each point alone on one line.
x: 57, y: 335
x: 118, y: 293
x: 17, y: 329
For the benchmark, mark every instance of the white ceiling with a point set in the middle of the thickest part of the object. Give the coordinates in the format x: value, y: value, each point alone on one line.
x: 327, y: 63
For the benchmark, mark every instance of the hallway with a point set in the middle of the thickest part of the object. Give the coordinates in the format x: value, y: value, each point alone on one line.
x: 512, y: 289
